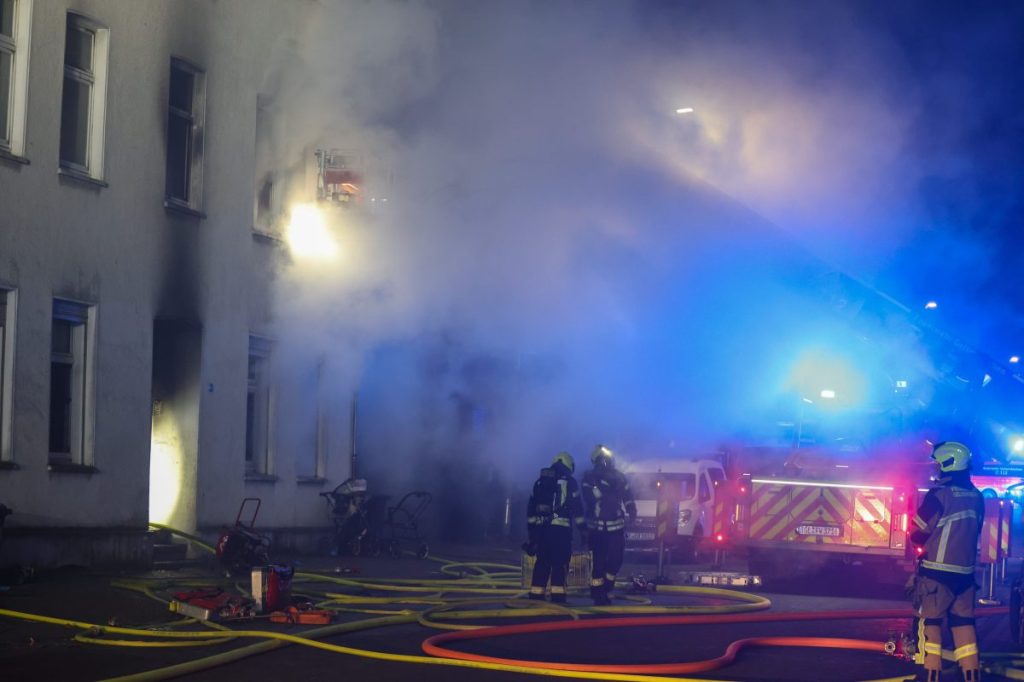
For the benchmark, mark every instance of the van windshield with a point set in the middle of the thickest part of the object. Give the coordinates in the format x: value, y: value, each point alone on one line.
x: 645, y: 486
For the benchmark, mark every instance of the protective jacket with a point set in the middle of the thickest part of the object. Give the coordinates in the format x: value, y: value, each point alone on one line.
x: 607, y: 499
x: 948, y: 524
x: 555, y: 500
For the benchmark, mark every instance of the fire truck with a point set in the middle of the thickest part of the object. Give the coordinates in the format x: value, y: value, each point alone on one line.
x: 825, y: 507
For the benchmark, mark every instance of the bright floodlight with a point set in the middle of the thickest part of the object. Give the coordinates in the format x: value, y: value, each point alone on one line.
x: 685, y: 110
x: 308, y: 235
x: 931, y: 305
x: 1014, y: 359
x: 828, y: 393
x: 901, y: 383
x: 1018, y: 445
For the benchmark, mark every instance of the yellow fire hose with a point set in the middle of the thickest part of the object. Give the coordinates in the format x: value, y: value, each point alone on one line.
x: 499, y: 581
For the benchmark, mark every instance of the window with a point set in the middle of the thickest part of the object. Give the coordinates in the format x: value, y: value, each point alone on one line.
x: 7, y: 317
x: 311, y: 464
x: 72, y: 350
x: 84, y: 100
x: 266, y: 189
x: 717, y: 476
x: 258, y: 409
x: 15, y: 23
x: 185, y: 114
x: 705, y: 490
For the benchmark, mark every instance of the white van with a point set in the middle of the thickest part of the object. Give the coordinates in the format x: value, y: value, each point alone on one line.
x: 696, y: 481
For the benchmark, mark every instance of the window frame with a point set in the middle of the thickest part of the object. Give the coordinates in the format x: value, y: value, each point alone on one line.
x: 313, y: 465
x: 259, y: 418
x: 82, y: 358
x: 18, y: 46
x: 8, y: 336
x: 196, y: 119
x: 703, y: 489
x: 96, y: 78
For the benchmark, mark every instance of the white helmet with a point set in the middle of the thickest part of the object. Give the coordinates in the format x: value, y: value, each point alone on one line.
x: 601, y: 453
x: 566, y: 459
x: 952, y: 456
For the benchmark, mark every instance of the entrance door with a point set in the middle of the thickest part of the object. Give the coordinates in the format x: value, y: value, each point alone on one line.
x: 174, y: 443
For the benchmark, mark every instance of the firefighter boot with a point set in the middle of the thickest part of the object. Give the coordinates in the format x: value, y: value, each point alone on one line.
x: 598, y: 594
x: 972, y: 675
x: 609, y: 585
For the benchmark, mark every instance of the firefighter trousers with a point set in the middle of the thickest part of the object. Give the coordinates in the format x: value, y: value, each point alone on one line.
x: 554, y: 549
x: 608, y: 548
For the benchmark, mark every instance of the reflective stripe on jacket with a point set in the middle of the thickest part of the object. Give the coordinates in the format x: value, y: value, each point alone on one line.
x: 607, y: 499
x: 952, y: 542
x: 555, y: 500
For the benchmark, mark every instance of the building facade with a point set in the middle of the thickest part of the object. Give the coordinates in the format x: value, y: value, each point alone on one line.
x: 137, y: 377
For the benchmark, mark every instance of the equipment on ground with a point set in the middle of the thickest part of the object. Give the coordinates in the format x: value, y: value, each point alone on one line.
x: 639, y: 584
x: 577, y: 577
x: 302, y: 614
x: 272, y: 587
x: 240, y: 547
x: 212, y: 604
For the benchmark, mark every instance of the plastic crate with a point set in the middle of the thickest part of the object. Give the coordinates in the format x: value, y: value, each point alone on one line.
x: 580, y: 566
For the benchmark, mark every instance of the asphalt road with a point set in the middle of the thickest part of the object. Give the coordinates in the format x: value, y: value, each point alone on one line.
x: 30, y: 651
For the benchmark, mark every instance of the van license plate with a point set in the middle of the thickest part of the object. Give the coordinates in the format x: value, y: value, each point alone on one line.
x: 633, y: 535
x: 820, y: 529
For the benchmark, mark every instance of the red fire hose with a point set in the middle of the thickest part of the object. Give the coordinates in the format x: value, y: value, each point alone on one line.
x: 433, y: 645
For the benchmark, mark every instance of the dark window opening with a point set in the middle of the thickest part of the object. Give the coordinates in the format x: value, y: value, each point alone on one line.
x: 60, y: 408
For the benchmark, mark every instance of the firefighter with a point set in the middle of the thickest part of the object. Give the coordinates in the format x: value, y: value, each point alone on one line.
x: 553, y: 511
x: 947, y: 526
x: 607, y: 500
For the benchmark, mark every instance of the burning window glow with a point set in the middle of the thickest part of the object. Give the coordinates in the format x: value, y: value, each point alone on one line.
x: 308, y: 235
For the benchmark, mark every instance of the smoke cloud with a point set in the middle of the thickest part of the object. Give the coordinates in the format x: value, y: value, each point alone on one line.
x: 563, y: 260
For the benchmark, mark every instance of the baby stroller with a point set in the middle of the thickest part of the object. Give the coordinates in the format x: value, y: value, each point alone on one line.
x: 402, y: 525
x: 347, y: 504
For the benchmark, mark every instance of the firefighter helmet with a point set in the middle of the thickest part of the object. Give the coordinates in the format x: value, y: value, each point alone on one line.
x: 566, y: 459
x: 601, y: 453
x: 952, y: 456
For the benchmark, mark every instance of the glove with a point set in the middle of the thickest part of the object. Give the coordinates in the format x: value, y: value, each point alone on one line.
x: 530, y: 548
